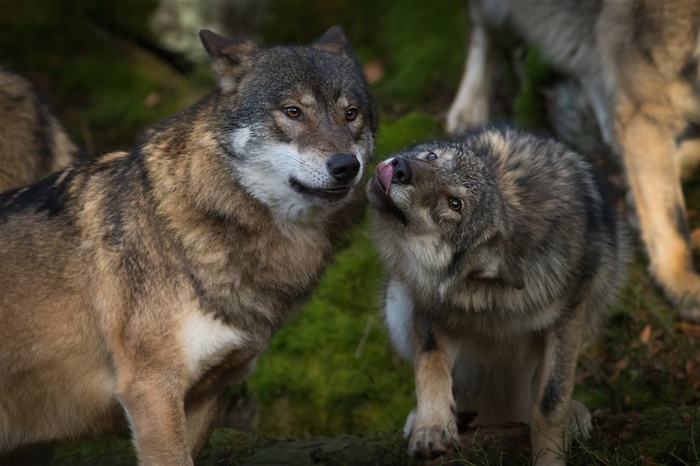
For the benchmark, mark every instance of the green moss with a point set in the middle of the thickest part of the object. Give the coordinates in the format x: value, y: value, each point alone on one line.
x: 116, y: 451
x: 330, y: 371
x: 669, y: 436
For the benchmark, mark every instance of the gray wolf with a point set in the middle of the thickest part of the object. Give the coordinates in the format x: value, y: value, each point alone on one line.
x: 32, y: 142
x: 138, y: 285
x: 503, y: 252
x: 638, y: 62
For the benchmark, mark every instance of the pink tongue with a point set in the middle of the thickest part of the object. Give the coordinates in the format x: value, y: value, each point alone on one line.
x: 384, y: 173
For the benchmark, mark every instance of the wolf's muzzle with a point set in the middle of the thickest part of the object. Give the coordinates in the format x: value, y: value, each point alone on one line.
x: 343, y: 167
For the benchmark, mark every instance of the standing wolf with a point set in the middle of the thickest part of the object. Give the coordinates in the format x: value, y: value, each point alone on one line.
x: 139, y: 284
x: 503, y: 251
x: 638, y: 62
x: 32, y: 142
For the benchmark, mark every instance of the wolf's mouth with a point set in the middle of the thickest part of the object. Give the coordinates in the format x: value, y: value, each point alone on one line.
x: 382, y: 200
x: 327, y: 194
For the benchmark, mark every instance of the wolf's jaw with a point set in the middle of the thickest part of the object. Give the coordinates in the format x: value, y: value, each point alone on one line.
x: 380, y: 198
x: 327, y: 195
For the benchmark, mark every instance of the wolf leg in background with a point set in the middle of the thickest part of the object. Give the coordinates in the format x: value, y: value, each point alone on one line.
x: 146, y: 282
x: 503, y: 252
x: 638, y: 63
x: 32, y: 142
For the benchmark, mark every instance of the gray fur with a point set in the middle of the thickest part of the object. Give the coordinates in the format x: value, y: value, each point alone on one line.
x: 505, y: 288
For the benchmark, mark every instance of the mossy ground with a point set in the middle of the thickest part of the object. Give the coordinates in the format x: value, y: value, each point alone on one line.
x: 331, y: 371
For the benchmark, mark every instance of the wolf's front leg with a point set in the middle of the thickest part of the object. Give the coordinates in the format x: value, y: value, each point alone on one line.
x: 552, y: 415
x: 200, y: 421
x: 435, y: 430
x: 155, y: 409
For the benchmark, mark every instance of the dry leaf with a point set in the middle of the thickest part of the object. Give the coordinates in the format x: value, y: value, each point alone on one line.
x: 645, y: 336
x: 688, y: 329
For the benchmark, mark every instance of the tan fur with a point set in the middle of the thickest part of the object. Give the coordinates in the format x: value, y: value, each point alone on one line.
x: 141, y: 284
x: 638, y: 63
x: 32, y: 142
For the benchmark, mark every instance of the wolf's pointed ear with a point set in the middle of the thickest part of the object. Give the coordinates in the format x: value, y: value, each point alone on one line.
x: 334, y: 40
x: 229, y: 57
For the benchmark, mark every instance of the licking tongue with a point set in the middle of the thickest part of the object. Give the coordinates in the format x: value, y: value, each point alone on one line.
x: 384, y: 173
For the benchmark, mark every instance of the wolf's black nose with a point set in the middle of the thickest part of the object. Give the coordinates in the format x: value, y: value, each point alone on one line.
x: 401, y: 170
x: 343, y: 167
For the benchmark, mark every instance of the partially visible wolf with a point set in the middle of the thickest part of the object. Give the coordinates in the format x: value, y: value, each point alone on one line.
x: 638, y: 62
x: 136, y: 286
x: 503, y: 251
x: 32, y: 142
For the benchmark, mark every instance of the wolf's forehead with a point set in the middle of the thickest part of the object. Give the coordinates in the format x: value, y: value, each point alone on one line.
x: 307, y: 99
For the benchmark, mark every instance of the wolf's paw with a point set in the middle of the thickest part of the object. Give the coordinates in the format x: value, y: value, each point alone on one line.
x: 581, y: 422
x: 431, y: 442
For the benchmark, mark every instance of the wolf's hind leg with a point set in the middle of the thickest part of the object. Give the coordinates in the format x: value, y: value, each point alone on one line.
x: 653, y: 172
x: 471, y: 104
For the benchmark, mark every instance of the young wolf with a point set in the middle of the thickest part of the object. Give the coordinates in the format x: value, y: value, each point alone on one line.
x: 32, y: 142
x: 139, y: 284
x: 503, y: 251
x: 638, y: 61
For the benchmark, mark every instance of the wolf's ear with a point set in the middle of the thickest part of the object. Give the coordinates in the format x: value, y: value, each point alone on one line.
x: 229, y: 57
x: 334, y: 40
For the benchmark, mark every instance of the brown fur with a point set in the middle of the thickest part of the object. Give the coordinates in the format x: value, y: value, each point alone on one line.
x: 32, y: 142
x: 638, y: 62
x: 142, y: 283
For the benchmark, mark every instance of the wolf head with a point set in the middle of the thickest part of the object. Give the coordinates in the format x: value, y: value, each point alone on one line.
x: 439, y: 212
x: 297, y: 123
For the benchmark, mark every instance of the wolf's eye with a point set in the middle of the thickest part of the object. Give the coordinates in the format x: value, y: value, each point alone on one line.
x: 351, y: 114
x: 431, y: 156
x: 455, y: 204
x: 292, y: 112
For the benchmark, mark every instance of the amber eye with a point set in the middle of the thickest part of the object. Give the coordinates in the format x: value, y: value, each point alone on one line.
x: 292, y: 112
x: 455, y: 204
x: 351, y: 114
x: 431, y: 156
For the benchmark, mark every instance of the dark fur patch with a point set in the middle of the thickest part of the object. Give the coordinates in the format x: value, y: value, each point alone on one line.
x: 692, y: 131
x: 48, y: 196
x: 429, y: 342
x: 680, y: 222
